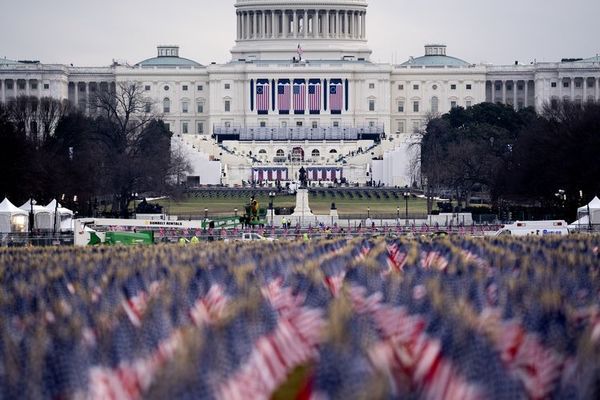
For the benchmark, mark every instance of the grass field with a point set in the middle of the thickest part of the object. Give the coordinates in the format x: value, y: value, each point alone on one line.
x: 319, y: 205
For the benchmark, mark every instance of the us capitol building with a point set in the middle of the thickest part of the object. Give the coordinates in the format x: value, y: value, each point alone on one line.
x: 300, y: 90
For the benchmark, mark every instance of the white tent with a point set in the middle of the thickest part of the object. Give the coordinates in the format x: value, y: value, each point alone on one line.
x: 64, y: 219
x: 43, y: 219
x: 591, y: 210
x: 12, y: 219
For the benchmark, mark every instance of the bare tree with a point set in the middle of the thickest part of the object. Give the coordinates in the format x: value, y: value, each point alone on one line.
x: 50, y: 113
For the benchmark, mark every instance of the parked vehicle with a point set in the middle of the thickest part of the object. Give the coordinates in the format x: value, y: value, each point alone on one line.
x: 534, y: 228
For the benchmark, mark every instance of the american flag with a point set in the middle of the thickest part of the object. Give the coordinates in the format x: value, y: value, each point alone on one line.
x: 283, y: 96
x: 262, y: 97
x: 299, y: 96
x: 314, y: 97
x: 336, y: 97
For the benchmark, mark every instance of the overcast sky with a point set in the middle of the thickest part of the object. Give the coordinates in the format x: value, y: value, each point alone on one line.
x: 92, y: 33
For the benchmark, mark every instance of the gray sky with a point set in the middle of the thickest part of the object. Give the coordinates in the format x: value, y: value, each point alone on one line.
x: 92, y: 33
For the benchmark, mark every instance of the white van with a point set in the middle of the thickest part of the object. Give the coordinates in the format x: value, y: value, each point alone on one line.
x: 535, y: 228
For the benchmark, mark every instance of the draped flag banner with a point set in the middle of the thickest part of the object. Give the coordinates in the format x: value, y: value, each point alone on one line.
x: 314, y: 96
x: 336, y: 96
x: 299, y: 96
x: 284, y: 96
x: 262, y: 96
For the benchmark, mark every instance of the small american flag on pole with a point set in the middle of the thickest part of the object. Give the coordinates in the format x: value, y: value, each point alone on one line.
x: 262, y: 96
x: 300, y: 51
x: 284, y: 96
x: 314, y: 96
x: 299, y: 96
x: 336, y: 96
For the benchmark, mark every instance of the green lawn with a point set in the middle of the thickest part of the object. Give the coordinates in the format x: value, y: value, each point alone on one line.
x: 319, y: 205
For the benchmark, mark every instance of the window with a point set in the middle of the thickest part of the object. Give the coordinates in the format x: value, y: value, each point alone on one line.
x: 415, y: 106
x: 554, y: 104
x: 519, y: 86
x: 401, y: 127
x: 453, y: 87
x: 520, y: 104
x: 227, y: 86
x: 46, y: 86
x: 315, y: 124
x: 590, y: 83
x: 34, y: 85
x: 10, y: 85
x: 434, y: 105
x: 416, y: 125
x: 468, y: 103
x: 509, y: 86
x: 336, y: 124
x: 371, y: 86
x: 553, y: 84
x: 166, y: 105
x: 184, y: 88
x: 263, y: 124
x: 498, y: 86
x: 21, y: 85
x: 577, y: 84
x: 167, y: 126
x: 565, y: 84
x: 401, y: 106
x: 434, y: 87
x: 453, y: 104
x: 185, y: 107
x: 147, y: 107
x: 316, y: 153
x: 200, y: 88
x: 333, y: 151
x: 262, y: 151
x: 400, y: 87
x: 371, y: 105
x: 415, y: 87
x: 280, y: 153
x: 469, y: 86
x: 147, y: 88
x: 200, y: 107
x: 200, y: 127
x: 166, y: 88
x: 227, y: 105
x: 298, y: 123
x: 184, y: 127
x: 371, y: 124
x: 227, y: 124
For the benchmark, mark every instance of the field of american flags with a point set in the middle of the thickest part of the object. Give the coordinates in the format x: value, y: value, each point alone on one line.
x: 447, y: 318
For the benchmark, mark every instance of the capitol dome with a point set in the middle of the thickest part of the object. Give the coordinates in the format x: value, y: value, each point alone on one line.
x: 168, y: 57
x: 435, y: 56
x: 307, y: 29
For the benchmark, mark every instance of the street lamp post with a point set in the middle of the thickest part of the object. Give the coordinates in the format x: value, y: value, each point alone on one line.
x: 271, y: 210
x: 206, y: 213
x: 406, y: 197
x: 368, y: 212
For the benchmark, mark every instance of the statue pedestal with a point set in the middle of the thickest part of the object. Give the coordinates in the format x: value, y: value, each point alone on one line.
x: 302, y: 208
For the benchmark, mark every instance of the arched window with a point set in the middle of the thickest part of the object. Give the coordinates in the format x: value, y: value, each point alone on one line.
x: 434, y: 105
x: 166, y: 105
x: 262, y: 151
x: 316, y: 153
x: 280, y: 153
x: 333, y: 151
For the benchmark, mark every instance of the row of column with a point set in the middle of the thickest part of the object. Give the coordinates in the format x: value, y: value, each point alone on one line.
x: 589, y: 90
x: 335, y: 24
x: 11, y: 87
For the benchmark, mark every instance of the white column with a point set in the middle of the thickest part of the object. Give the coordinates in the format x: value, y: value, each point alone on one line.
x: 364, y: 25
x: 338, y: 24
x: 305, y: 23
x: 503, y: 92
x: 316, y: 24
x: 572, y: 89
x: 326, y: 26
x: 285, y: 24
x: 245, y: 25
x: 526, y: 101
x: 272, y: 24
x: 584, y: 84
x: 87, y: 98
x: 295, y: 24
x: 254, y: 24
x: 514, y: 86
x: 597, y: 89
x: 77, y: 94
x: 3, y: 83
